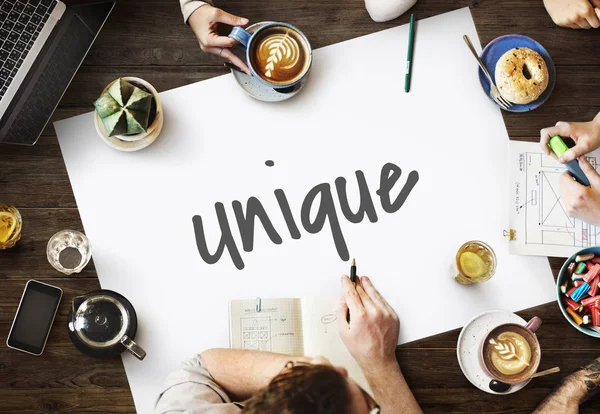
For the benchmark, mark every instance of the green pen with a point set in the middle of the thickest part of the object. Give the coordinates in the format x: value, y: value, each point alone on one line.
x: 409, y: 55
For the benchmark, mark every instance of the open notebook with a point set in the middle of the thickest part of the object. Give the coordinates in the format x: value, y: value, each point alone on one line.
x: 306, y: 326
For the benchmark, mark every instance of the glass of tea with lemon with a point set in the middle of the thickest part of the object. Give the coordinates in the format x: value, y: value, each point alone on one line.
x: 475, y: 263
x: 10, y: 226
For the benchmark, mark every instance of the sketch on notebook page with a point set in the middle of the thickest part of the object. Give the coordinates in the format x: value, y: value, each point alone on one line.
x: 538, y: 213
x: 256, y: 333
x: 327, y: 319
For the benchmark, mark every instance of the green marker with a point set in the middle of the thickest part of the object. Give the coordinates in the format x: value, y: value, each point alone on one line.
x: 558, y: 146
x: 411, y: 41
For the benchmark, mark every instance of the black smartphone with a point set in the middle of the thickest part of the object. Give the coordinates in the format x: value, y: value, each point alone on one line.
x: 34, y: 318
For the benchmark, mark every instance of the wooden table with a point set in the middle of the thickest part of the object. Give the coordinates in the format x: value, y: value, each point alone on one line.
x: 147, y: 38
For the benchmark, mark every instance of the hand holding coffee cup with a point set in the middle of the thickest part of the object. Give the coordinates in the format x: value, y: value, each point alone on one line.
x: 205, y: 22
x: 278, y: 54
x: 511, y: 353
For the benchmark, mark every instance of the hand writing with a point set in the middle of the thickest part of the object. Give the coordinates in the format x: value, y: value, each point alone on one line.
x: 585, y: 134
x: 372, y: 334
x: 582, y: 202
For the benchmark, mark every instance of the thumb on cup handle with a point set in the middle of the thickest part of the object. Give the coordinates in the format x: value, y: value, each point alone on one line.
x: 241, y: 36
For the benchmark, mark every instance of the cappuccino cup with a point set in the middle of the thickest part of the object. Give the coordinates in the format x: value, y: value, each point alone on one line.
x: 278, y: 54
x: 511, y: 352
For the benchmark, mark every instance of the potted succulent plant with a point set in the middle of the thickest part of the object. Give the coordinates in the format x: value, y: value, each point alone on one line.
x: 128, y: 114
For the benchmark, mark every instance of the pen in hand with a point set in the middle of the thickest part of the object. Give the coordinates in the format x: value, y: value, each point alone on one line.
x: 409, y: 54
x: 353, y: 280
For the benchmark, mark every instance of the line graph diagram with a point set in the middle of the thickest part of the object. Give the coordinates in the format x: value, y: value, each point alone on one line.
x: 546, y: 220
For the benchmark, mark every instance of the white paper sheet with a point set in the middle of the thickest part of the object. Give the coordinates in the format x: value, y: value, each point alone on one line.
x: 537, y: 212
x: 137, y: 208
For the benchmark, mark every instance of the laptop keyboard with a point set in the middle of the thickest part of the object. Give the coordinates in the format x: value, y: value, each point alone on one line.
x: 20, y: 24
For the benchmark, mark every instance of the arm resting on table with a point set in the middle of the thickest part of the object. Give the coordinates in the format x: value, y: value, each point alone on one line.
x: 574, y: 390
x: 242, y: 373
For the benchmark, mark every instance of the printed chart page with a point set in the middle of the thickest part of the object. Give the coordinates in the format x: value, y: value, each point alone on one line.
x: 322, y: 338
x: 537, y: 212
x: 276, y: 328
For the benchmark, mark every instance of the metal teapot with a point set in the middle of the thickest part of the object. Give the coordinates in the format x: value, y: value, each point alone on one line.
x: 103, y: 324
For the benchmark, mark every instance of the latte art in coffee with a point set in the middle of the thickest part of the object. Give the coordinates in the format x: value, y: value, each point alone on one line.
x: 280, y: 55
x: 509, y: 353
x: 283, y: 51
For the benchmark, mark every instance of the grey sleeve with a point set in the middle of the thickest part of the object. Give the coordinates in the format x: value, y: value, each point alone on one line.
x: 192, y: 390
x: 190, y: 6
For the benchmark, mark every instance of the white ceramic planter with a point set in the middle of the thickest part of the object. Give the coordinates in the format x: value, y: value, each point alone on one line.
x: 138, y: 141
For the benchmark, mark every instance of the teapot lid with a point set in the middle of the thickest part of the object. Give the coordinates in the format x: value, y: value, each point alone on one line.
x: 101, y: 321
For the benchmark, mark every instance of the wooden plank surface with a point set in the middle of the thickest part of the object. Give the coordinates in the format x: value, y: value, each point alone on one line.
x: 148, y: 39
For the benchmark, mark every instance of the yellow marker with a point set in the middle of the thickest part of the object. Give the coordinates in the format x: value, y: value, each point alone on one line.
x: 576, y: 317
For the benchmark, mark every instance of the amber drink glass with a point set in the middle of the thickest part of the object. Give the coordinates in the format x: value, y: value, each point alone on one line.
x: 10, y: 226
x: 475, y: 263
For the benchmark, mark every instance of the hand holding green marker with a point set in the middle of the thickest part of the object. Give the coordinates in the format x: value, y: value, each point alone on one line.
x: 558, y: 146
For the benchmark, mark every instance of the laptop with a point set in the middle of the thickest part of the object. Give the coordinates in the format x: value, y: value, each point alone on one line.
x: 42, y: 44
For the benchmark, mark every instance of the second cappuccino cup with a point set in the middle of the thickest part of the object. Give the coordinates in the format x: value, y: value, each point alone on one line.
x: 278, y: 54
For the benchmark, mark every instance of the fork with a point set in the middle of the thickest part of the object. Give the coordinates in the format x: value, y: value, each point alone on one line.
x: 496, y: 95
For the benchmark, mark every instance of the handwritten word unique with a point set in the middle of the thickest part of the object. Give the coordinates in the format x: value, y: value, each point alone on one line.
x: 320, y: 197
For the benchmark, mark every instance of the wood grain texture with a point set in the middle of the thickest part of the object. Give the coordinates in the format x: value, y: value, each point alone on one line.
x: 439, y: 386
x: 147, y: 38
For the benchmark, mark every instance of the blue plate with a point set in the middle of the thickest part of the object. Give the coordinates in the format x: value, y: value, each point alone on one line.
x: 497, y: 47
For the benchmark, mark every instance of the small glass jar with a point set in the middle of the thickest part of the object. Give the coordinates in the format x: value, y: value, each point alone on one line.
x: 69, y: 251
x: 475, y: 263
x: 10, y: 226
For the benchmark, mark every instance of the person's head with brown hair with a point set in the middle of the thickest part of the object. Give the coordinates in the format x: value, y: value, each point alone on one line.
x: 317, y: 388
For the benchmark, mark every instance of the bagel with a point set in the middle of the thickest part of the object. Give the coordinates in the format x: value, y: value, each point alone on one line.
x: 521, y: 75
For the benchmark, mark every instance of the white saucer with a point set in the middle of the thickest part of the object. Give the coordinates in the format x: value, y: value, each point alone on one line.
x: 127, y: 146
x: 467, y: 348
x: 253, y: 86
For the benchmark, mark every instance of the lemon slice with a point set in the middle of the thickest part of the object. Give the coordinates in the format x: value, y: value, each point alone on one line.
x: 8, y: 222
x: 472, y: 265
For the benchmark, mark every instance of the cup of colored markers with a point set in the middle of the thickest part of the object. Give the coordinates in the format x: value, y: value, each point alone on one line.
x: 578, y: 290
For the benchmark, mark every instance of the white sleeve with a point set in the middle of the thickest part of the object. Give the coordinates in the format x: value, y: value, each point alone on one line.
x: 192, y: 390
x: 190, y: 6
